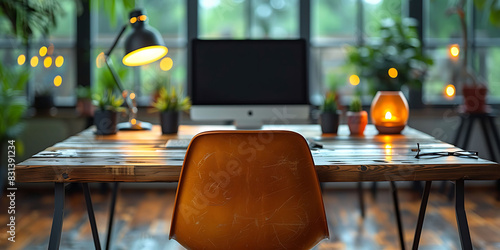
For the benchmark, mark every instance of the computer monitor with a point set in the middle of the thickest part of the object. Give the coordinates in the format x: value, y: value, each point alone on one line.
x: 249, y: 81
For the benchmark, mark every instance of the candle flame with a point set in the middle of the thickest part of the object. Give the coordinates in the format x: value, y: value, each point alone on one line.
x: 388, y: 115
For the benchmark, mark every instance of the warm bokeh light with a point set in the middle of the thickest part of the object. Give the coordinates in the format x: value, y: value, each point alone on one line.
x: 450, y: 91
x: 47, y: 62
x: 166, y: 64
x: 354, y: 80
x: 50, y: 50
x: 57, y: 81
x: 388, y: 148
x: 393, y: 73
x: 133, y: 19
x: 34, y: 61
x: 133, y: 121
x: 144, y: 55
x: 100, y: 60
x: 143, y: 17
x: 59, y: 61
x: 132, y: 96
x: 454, y: 51
x: 21, y: 59
x: 43, y: 51
x: 388, y: 152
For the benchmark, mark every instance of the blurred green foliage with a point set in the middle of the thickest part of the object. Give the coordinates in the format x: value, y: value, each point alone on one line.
x: 170, y: 97
x: 105, y: 93
x: 330, y: 103
x: 108, y: 100
x: 399, y: 48
x: 27, y: 17
x: 12, y: 100
x: 356, y: 105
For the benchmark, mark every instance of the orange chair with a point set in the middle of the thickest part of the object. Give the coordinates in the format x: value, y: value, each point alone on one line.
x: 248, y: 190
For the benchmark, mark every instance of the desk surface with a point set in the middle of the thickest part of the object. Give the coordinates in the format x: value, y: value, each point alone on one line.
x: 140, y: 156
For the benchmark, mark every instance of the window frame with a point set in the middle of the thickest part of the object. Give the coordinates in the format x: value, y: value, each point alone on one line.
x: 84, y: 44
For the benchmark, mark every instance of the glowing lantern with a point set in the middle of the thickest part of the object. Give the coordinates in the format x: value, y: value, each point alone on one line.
x: 389, y: 112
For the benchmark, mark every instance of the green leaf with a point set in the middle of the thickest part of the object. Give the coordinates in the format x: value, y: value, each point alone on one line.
x: 480, y: 3
x: 495, y: 15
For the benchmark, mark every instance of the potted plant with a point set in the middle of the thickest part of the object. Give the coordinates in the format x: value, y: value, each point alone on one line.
x: 106, y: 115
x: 357, y: 118
x: 394, y: 60
x: 169, y: 104
x: 84, y: 101
x: 329, y: 117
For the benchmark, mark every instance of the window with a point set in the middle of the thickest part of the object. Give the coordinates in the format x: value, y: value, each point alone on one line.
x: 241, y: 19
x: 336, y: 24
x: 50, y: 59
x: 333, y: 24
x: 441, y: 32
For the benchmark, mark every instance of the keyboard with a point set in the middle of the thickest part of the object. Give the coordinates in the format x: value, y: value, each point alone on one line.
x: 178, y: 143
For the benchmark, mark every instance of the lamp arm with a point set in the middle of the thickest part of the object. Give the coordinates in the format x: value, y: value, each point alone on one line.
x: 109, y: 63
x: 116, y: 40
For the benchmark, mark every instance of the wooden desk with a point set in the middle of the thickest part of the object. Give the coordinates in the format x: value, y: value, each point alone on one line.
x: 140, y: 156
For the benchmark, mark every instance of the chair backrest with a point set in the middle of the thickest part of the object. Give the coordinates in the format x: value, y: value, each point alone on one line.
x: 248, y: 189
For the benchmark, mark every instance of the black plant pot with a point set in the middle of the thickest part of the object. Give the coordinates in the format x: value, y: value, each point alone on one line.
x: 329, y: 122
x: 43, y: 104
x: 105, y: 122
x: 169, y: 121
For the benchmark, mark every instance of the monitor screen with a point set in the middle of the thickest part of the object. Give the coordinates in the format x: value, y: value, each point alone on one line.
x: 249, y: 72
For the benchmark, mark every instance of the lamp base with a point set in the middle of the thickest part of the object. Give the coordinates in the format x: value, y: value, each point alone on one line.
x: 138, y: 126
x: 389, y: 130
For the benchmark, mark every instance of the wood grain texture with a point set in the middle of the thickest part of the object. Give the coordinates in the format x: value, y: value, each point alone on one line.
x: 141, y: 156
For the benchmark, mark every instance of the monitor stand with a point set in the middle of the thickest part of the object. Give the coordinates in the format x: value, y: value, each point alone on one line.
x: 248, y: 124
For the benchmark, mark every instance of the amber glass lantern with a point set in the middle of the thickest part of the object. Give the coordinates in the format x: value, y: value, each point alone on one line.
x: 389, y: 112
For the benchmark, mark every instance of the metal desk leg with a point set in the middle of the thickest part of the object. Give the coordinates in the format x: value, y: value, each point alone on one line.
x: 111, y: 214
x: 487, y: 138
x: 398, y: 214
x: 374, y: 190
x: 468, y: 131
x: 90, y: 210
x: 421, y: 214
x: 361, y: 199
x: 459, y: 131
x: 57, y: 221
x: 491, y: 121
x: 463, y: 227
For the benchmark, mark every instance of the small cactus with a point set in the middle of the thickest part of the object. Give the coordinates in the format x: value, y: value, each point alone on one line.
x: 329, y: 105
x: 355, y: 105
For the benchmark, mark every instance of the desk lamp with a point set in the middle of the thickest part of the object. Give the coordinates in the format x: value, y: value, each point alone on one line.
x: 144, y: 45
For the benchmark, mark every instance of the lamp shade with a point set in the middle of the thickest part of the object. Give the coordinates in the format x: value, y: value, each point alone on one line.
x: 389, y: 112
x: 144, y: 45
